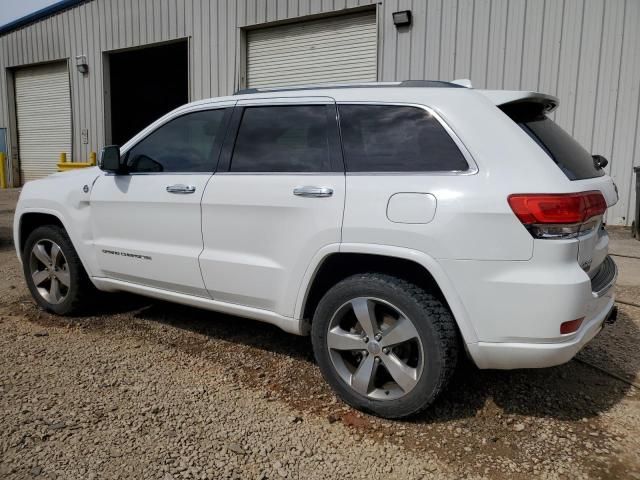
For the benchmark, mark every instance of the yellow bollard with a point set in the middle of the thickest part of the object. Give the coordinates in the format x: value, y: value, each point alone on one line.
x: 3, y: 177
x: 64, y: 166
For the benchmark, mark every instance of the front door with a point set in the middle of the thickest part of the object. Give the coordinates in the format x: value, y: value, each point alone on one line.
x: 275, y: 201
x: 147, y: 223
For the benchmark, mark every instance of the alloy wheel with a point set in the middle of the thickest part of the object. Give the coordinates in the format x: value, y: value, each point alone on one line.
x: 375, y: 348
x: 49, y: 271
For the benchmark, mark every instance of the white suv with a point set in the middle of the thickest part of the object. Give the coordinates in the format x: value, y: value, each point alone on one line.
x: 398, y: 224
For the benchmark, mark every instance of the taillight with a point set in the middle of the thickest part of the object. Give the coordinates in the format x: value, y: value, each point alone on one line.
x: 564, y: 215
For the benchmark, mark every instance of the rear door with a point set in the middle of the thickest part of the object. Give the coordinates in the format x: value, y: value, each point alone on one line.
x: 275, y: 201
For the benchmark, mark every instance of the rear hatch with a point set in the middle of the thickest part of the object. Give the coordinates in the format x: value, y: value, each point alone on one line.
x: 529, y: 110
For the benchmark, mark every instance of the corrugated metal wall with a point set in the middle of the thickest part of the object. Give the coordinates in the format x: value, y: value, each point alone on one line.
x: 584, y: 51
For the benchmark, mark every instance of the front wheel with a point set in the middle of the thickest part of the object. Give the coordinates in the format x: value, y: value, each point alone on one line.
x: 386, y: 346
x: 53, y: 271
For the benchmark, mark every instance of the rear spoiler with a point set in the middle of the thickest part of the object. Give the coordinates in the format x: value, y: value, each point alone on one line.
x: 502, y: 98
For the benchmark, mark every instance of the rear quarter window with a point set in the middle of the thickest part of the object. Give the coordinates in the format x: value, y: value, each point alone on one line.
x: 392, y: 138
x: 571, y: 157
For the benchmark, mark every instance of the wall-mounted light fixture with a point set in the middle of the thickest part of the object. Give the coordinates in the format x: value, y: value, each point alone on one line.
x: 82, y: 65
x: 402, y: 18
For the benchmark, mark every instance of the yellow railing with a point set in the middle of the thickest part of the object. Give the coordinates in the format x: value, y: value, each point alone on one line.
x: 3, y: 173
x: 64, y: 166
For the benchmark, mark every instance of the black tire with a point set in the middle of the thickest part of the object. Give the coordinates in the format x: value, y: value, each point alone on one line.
x: 435, y: 328
x: 80, y: 290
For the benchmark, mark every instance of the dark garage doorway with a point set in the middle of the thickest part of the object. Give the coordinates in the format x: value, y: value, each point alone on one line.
x: 145, y: 84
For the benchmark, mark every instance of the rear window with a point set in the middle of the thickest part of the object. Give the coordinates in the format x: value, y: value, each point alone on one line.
x: 387, y: 138
x: 562, y: 148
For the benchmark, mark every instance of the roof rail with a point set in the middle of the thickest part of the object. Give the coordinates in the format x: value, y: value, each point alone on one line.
x: 405, y: 83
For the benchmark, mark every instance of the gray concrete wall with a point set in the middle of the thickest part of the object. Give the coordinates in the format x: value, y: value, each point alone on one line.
x: 584, y: 51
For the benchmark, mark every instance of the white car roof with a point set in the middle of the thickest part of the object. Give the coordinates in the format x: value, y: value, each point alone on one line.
x: 411, y: 91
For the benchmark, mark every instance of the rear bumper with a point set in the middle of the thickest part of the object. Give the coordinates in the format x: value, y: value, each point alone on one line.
x: 518, y: 307
x: 507, y: 356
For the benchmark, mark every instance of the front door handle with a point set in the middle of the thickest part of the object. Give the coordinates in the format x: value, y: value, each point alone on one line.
x: 316, y: 192
x: 180, y: 188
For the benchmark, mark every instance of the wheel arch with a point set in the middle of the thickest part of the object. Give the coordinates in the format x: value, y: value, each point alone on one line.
x: 30, y: 219
x: 411, y: 265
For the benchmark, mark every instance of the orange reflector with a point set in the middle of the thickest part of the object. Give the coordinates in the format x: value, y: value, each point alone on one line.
x: 570, y: 326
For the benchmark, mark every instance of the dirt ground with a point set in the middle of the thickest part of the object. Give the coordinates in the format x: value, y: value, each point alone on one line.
x: 146, y: 389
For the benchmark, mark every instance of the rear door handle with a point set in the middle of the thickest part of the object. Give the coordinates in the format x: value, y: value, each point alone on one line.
x: 180, y: 188
x: 316, y: 192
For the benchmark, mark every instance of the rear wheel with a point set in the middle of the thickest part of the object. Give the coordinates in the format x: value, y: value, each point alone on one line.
x: 53, y: 272
x: 385, y: 345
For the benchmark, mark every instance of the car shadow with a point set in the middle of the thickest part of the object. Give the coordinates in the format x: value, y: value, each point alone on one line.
x: 568, y: 392
x: 229, y: 328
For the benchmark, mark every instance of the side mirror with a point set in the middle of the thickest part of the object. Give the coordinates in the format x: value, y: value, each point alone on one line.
x: 599, y: 162
x: 110, y: 159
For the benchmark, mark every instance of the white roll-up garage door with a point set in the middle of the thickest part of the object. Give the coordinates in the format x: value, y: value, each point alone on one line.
x: 336, y: 49
x: 43, y: 107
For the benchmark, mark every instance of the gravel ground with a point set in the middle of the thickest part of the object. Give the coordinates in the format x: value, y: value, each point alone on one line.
x: 146, y: 389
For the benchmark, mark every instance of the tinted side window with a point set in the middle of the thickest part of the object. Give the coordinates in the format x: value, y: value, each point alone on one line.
x: 185, y: 144
x: 386, y: 138
x: 282, y: 139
